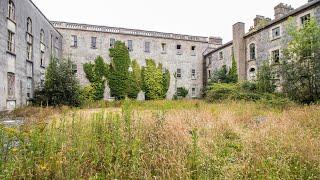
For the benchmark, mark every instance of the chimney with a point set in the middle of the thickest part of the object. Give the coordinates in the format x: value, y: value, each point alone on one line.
x: 215, y: 41
x: 239, y: 49
x: 281, y: 10
x: 260, y: 21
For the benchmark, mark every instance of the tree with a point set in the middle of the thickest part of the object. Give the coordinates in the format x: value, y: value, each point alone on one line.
x: 119, y: 76
x: 265, y: 82
x: 97, y: 74
x: 134, y: 80
x: 233, y: 72
x: 301, y: 63
x: 61, y: 86
x: 224, y: 76
x: 155, y: 81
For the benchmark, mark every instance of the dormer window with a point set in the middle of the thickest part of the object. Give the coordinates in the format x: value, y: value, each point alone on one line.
x: 11, y: 10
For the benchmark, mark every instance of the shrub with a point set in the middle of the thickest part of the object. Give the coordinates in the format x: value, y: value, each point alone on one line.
x: 182, y: 92
x: 61, y: 86
x: 265, y: 83
x: 134, y: 83
x: 87, y: 94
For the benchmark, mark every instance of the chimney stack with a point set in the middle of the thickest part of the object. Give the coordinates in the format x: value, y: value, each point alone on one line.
x: 282, y: 9
x: 215, y: 41
x: 260, y: 20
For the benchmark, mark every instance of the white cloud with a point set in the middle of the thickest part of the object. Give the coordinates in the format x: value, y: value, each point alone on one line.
x: 194, y: 17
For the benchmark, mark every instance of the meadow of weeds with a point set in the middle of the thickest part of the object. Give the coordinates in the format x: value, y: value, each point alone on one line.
x: 165, y: 140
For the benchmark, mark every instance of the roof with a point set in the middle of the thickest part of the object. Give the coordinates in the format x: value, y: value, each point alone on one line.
x: 285, y: 17
x: 219, y: 48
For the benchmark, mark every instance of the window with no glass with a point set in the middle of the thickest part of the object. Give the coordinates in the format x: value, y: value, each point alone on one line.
x: 147, y: 47
x: 276, y: 56
x: 179, y: 74
x: 276, y: 33
x: 193, y: 74
x: 112, y: 42
x: 305, y: 19
x: 130, y: 45
x: 163, y: 47
x: 221, y: 55
x: 93, y: 42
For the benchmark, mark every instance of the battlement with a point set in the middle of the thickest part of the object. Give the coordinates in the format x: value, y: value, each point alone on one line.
x: 134, y: 32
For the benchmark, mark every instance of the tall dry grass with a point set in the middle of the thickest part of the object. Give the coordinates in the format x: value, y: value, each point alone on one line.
x: 167, y: 140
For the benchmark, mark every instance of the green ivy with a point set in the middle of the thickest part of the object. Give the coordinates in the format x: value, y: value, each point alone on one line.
x: 155, y: 82
x: 97, y: 74
x: 134, y: 80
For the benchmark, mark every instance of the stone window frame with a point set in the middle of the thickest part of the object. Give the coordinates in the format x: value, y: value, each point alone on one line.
x: 163, y: 48
x: 252, y: 55
x: 11, y: 10
x: 298, y: 18
x: 252, y: 73
x: 130, y: 45
x: 271, y: 60
x: 147, y: 46
x: 112, y: 42
x: 179, y: 49
x: 220, y: 55
x: 194, y: 91
x: 11, y: 79
x: 274, y: 36
x: 193, y: 50
x: 209, y: 73
x: 11, y: 42
x: 179, y: 73
x: 42, y: 36
x: 42, y: 59
x: 29, y: 25
x: 94, y: 42
x: 193, y: 74
x: 74, y: 41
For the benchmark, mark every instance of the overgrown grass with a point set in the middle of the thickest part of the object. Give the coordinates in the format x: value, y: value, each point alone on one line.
x: 166, y: 140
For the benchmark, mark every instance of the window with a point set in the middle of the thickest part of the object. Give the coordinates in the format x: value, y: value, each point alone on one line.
x: 11, y: 11
x: 74, y: 68
x: 112, y: 42
x: 209, y: 60
x: 252, y: 48
x: 29, y: 87
x: 42, y: 36
x: 11, y: 44
x: 209, y: 74
x: 193, y: 92
x: 193, y: 74
x: 163, y: 47
x: 29, y: 26
x: 276, y: 33
x: 42, y: 59
x: 42, y: 80
x: 252, y: 73
x: 275, y: 56
x: 305, y: 19
x: 220, y: 55
x: 11, y: 86
x: 147, y: 47
x: 130, y: 45
x: 93, y: 42
x: 193, y: 48
x: 29, y: 51
x: 179, y: 74
x: 74, y: 41
x: 178, y: 47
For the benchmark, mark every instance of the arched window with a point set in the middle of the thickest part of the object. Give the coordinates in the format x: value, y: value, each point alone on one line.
x: 252, y: 73
x: 29, y: 26
x: 252, y: 48
x: 11, y: 10
x: 42, y: 36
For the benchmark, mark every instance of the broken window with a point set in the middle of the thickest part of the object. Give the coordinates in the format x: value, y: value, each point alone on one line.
x: 276, y: 56
x: 93, y: 42
x: 11, y: 44
x: 42, y: 59
x: 193, y: 92
x: 252, y: 73
x: 11, y: 86
x: 147, y: 47
x: 178, y: 46
x: 112, y: 42
x: 179, y: 74
x: 221, y: 55
x: 130, y: 45
x: 163, y: 47
x: 305, y: 19
x: 276, y: 32
x: 11, y: 10
x: 193, y: 74
x: 252, y: 48
x: 74, y: 41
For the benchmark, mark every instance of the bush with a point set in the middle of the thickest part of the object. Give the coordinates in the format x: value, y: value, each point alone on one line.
x: 87, y: 94
x: 182, y: 92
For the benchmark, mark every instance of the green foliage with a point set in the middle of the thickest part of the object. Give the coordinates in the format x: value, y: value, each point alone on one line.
x: 182, y: 92
x: 224, y: 75
x: 119, y: 75
x: 155, y: 83
x: 87, y: 94
x: 301, y: 64
x: 134, y: 82
x: 61, y: 86
x: 265, y: 82
x: 97, y: 74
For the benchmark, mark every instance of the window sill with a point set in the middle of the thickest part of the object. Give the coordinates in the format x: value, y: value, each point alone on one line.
x: 75, y: 47
x: 11, y: 99
x: 251, y: 60
x: 163, y: 52
x: 43, y: 67
x: 276, y: 38
x: 94, y: 48
x: 29, y: 60
x: 12, y: 53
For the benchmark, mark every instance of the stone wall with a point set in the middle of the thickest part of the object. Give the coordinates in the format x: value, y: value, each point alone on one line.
x: 172, y: 59
x: 16, y: 62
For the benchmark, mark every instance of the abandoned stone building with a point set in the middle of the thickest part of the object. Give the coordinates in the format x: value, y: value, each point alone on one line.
x: 28, y: 40
x: 262, y: 44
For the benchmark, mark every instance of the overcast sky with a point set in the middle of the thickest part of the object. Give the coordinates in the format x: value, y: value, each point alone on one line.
x: 192, y: 17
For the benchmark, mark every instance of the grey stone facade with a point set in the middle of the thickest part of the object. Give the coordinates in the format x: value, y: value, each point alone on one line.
x: 266, y: 41
x: 188, y: 58
x: 24, y: 74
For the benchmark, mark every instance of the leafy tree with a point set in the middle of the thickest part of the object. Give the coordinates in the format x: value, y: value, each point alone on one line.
x: 134, y: 80
x: 233, y: 72
x: 61, y: 86
x: 155, y: 83
x: 301, y: 64
x: 119, y: 75
x: 97, y: 74
x: 265, y: 83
